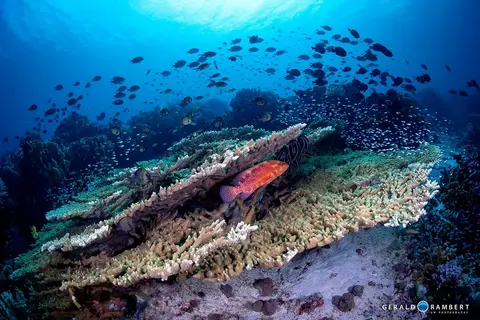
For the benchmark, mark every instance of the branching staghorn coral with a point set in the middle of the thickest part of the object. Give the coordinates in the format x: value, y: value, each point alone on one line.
x: 190, y: 144
x: 215, y: 168
x: 368, y: 190
x: 342, y: 193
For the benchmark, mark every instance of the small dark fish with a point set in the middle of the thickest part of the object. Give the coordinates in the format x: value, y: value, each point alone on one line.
x: 58, y: 87
x: 280, y: 52
x: 209, y: 54
x: 347, y: 69
x: 294, y: 72
x: 270, y: 49
x: 255, y: 39
x: 101, y: 116
x: 119, y: 95
x: 97, y: 78
x: 289, y: 77
x: 375, y: 72
x: 132, y: 96
x: 424, y: 67
x: 203, y: 66
x: 253, y: 49
x: 164, y: 112
x: 397, y: 81
x: 235, y: 49
x: 270, y: 70
x: 448, y: 68
x: 370, y: 56
x: 148, y: 71
x: 71, y: 102
x: 327, y: 28
x: 193, y: 50
x: 453, y: 91
x: 339, y: 51
x: 117, y: 80
x: 166, y: 73
x: 368, y: 40
x: 320, y: 48
x: 409, y: 87
x: 320, y: 32
x: 354, y: 42
x: 215, y: 75
x: 260, y: 101
x: 179, y: 64
x: 202, y: 59
x: 70, y: 94
x: 473, y: 84
x: 118, y: 102
x: 381, y: 48
x: 362, y: 70
x: 50, y: 112
x: 33, y: 107
x: 88, y: 85
x: 137, y: 59
x: 463, y: 93
x: 423, y: 78
x: 76, y: 84
x: 232, y: 58
x: 237, y: 40
x: 134, y: 88
x: 215, y: 64
x: 122, y: 88
x: 354, y: 33
x: 5, y: 139
x: 303, y: 57
x: 193, y: 64
x: 198, y: 97
x: 220, y: 84
x: 345, y: 40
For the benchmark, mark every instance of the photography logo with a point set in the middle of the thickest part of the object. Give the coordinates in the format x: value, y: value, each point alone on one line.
x: 432, y: 308
x: 422, y: 306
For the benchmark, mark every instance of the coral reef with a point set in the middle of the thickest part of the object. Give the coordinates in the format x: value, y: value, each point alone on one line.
x: 443, y: 247
x: 74, y: 126
x: 164, y: 218
x: 243, y: 109
x: 376, y: 122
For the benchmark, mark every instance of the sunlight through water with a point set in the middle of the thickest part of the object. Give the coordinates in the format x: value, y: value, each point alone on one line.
x: 57, y: 22
x: 225, y: 15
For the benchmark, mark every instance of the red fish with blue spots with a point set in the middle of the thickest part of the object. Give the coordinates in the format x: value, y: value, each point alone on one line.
x: 248, y: 181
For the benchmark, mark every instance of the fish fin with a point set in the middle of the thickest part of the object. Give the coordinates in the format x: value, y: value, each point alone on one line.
x: 228, y: 193
x: 240, y: 176
x: 245, y: 195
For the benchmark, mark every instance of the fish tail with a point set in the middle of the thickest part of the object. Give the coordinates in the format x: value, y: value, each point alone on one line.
x: 229, y: 193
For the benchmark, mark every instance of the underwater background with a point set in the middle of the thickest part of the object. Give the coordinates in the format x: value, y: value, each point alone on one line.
x: 193, y: 146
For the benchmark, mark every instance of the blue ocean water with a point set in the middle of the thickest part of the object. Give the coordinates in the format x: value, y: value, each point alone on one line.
x: 44, y: 43
x: 45, y: 162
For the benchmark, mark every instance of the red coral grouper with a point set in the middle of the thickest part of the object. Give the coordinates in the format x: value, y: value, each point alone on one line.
x: 250, y: 180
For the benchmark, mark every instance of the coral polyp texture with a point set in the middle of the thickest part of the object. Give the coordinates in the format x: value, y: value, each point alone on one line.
x: 166, y: 218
